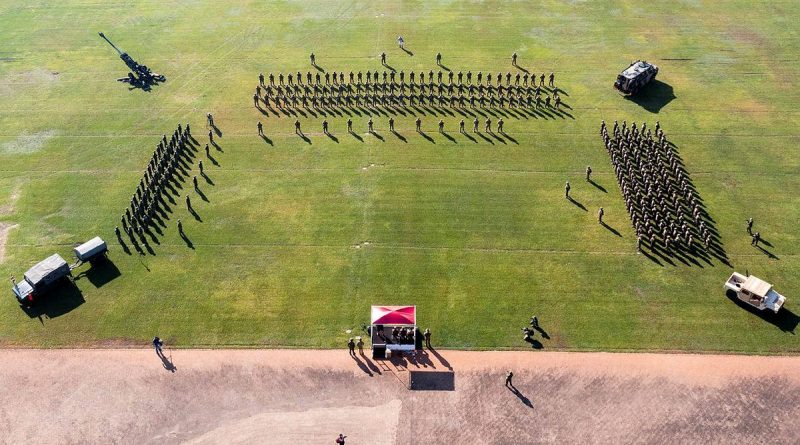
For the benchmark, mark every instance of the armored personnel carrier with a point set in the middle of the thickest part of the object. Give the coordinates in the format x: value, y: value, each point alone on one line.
x: 637, y: 75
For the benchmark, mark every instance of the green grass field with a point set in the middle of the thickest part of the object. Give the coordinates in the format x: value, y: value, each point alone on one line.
x: 476, y: 234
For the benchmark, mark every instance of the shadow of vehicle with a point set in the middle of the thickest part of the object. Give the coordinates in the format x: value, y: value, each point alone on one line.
x: 785, y: 320
x: 654, y: 96
x: 57, y: 301
x: 100, y: 273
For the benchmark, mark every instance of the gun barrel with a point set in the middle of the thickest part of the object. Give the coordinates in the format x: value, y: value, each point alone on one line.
x: 109, y: 42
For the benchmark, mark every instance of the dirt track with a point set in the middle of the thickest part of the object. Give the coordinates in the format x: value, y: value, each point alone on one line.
x: 128, y: 396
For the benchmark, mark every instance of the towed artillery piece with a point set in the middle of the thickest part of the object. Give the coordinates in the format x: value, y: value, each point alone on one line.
x: 139, y: 75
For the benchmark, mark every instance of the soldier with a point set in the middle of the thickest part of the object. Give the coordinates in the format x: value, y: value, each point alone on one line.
x: 210, y: 119
x: 509, y: 382
x: 541, y: 80
x: 261, y: 79
x: 566, y: 190
x: 260, y: 127
x: 488, y: 125
x: 639, y: 243
x: 513, y: 59
x: 210, y: 136
x: 400, y: 42
x: 391, y: 124
x: 750, y: 226
x: 528, y: 334
x: 297, y: 127
x: 600, y: 214
x: 475, y: 125
x: 558, y: 102
x: 369, y: 125
x: 188, y: 203
x: 349, y: 125
x: 500, y: 124
x: 441, y: 126
x: 194, y: 182
x: 439, y: 59
x: 383, y: 58
x: 756, y: 239
x: 461, y: 126
x: 325, y: 126
x: 360, y: 344
x: 116, y: 230
x: 280, y: 78
x: 207, y: 152
x: 418, y: 123
x: 255, y: 100
x: 200, y: 165
x: 351, y: 345
x: 588, y: 173
x: 313, y: 59
x: 271, y: 79
x: 552, y: 79
x: 427, y: 335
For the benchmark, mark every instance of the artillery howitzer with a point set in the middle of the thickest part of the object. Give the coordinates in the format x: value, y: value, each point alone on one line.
x: 139, y: 74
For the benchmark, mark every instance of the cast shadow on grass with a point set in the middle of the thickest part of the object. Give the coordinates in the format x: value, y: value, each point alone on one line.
x: 100, y: 273
x: 576, y: 203
x: 654, y: 96
x: 400, y: 136
x: 785, y: 320
x: 610, y: 229
x: 263, y: 136
x: 598, y: 186
x: 61, y: 299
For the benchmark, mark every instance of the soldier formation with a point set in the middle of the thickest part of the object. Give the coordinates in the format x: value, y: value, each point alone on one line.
x: 392, y: 89
x: 664, y: 207
x: 162, y: 169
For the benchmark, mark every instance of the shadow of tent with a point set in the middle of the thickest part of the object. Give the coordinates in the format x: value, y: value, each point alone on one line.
x: 62, y: 298
x: 654, y: 96
x: 432, y: 381
x: 100, y: 273
x: 785, y: 320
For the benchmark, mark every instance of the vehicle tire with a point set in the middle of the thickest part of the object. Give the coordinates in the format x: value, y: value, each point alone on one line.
x: 730, y: 293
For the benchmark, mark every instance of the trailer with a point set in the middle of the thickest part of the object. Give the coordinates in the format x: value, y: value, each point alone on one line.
x: 93, y: 250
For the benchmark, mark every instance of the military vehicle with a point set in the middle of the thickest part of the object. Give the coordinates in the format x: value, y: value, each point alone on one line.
x: 139, y: 75
x: 39, y: 278
x: 637, y: 75
x: 754, y: 291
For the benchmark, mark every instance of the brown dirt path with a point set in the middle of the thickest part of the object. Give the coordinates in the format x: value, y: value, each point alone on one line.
x: 310, y: 396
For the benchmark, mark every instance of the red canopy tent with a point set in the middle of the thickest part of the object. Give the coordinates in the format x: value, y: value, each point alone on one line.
x: 394, y: 328
x: 394, y: 315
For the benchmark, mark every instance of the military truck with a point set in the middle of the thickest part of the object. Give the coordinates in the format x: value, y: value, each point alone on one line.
x: 40, y: 278
x: 637, y: 75
x: 754, y: 291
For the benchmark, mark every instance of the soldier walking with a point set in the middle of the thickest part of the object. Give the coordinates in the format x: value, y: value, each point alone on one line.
x: 418, y: 123
x: 369, y: 125
x: 566, y: 190
x: 297, y: 127
x: 351, y: 345
x: 756, y: 239
x: 552, y: 79
x: 439, y: 59
x: 600, y: 214
x: 509, y: 380
x: 750, y: 226
x: 500, y: 125
x: 488, y: 125
x: 427, y: 336
x: 461, y: 126
x: 441, y: 126
x: 514, y: 59
x: 475, y: 125
x: 588, y: 173
x: 313, y: 59
x: 210, y: 120
x: 349, y: 125
x: 391, y: 124
x: 260, y: 128
x: 325, y: 126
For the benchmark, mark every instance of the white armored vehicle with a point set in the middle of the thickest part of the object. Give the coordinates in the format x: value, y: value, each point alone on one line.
x: 754, y: 291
